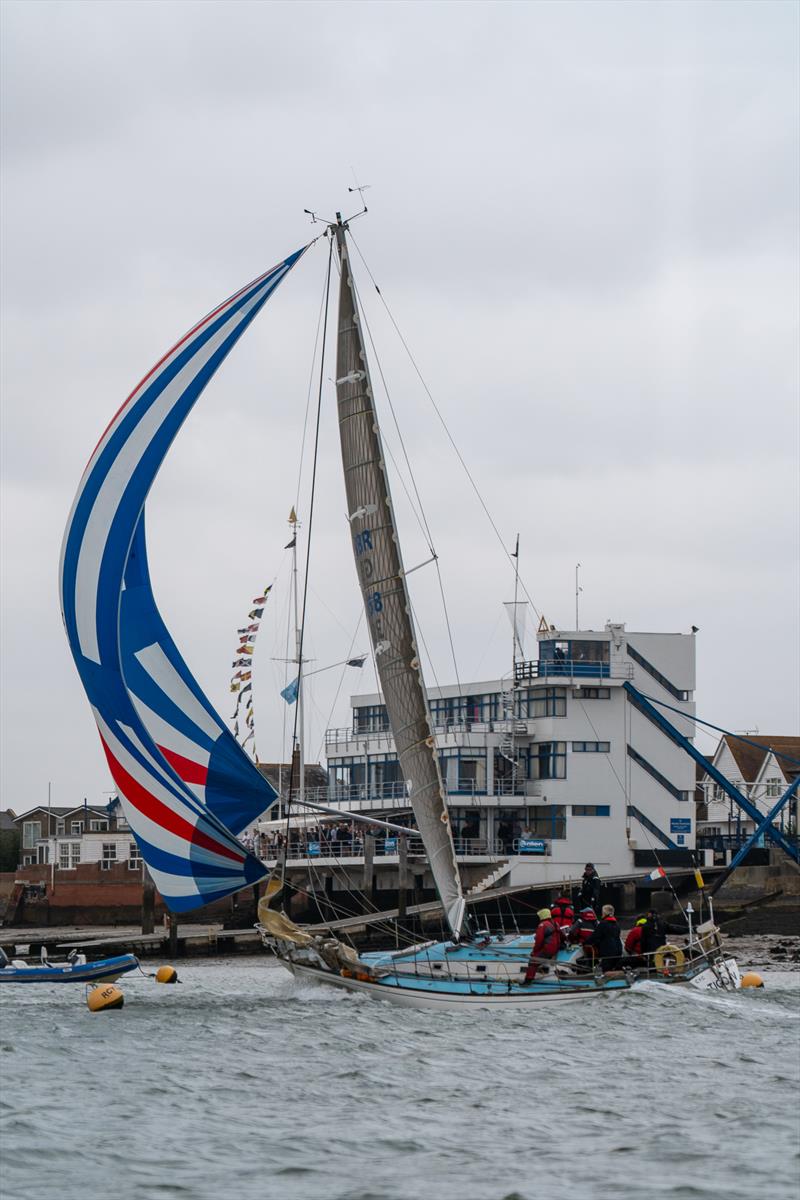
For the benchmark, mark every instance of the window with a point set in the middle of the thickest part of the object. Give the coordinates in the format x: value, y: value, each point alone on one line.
x: 27, y: 860
x: 372, y: 718
x: 97, y: 826
x: 549, y: 822
x: 69, y: 855
x: 548, y: 760
x: 134, y: 858
x: 591, y: 747
x: 463, y: 771
x: 591, y: 810
x: 60, y: 828
x: 773, y: 787
x: 544, y: 702
x: 31, y: 832
x: 592, y: 693
x: 76, y: 828
x: 109, y: 855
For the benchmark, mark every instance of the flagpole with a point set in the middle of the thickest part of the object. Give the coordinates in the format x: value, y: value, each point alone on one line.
x: 298, y: 643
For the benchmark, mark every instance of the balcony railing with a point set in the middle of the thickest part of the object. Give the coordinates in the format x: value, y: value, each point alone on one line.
x: 572, y: 669
x: 385, y: 847
x: 395, y: 795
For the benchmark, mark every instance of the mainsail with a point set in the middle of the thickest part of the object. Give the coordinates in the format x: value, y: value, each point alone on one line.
x: 155, y: 729
x: 386, y: 600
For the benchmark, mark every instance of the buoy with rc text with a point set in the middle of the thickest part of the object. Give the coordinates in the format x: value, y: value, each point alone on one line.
x: 104, y: 998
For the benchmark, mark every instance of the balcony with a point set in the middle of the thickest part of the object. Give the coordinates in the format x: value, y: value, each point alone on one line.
x: 313, y: 849
x: 573, y: 670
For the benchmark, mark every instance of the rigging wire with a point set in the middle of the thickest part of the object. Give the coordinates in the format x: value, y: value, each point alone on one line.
x: 308, y: 545
x: 443, y: 423
x: 421, y: 517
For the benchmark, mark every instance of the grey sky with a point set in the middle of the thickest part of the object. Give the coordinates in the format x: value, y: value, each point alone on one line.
x: 585, y: 220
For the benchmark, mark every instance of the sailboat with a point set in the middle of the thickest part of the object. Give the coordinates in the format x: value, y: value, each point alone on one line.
x: 186, y: 786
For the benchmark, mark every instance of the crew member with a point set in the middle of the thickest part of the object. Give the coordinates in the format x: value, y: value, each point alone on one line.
x: 591, y: 887
x: 633, y: 942
x: 546, y: 943
x: 655, y: 930
x: 606, y: 939
x: 581, y: 930
x: 562, y: 912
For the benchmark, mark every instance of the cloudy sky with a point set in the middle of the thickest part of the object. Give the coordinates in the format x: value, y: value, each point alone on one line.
x: 584, y: 219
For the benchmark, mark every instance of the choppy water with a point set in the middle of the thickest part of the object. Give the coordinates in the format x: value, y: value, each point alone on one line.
x: 242, y: 1083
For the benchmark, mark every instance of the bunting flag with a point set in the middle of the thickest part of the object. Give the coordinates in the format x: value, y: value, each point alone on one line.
x: 291, y: 545
x: 241, y: 681
x: 289, y: 693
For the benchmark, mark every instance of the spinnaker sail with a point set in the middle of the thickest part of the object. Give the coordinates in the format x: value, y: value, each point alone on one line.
x: 174, y: 710
x: 156, y: 729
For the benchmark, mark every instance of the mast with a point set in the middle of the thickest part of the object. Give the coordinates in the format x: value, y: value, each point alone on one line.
x: 376, y: 548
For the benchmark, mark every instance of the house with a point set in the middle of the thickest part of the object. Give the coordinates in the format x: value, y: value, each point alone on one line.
x: 67, y: 837
x: 762, y: 767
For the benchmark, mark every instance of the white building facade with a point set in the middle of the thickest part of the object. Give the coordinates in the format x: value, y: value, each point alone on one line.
x: 555, y: 767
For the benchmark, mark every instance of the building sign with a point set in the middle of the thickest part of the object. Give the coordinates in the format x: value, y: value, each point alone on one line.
x: 313, y: 848
x: 532, y: 846
x: 390, y: 845
x: 680, y: 824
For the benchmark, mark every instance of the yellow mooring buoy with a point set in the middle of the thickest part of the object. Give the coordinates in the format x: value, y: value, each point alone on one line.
x: 104, y: 998
x: 752, y: 979
x: 167, y: 975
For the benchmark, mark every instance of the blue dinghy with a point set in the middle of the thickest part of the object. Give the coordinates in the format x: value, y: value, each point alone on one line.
x: 75, y: 970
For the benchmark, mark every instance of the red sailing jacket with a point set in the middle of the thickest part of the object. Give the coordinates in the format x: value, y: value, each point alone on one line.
x: 547, y: 941
x: 633, y: 942
x: 562, y: 912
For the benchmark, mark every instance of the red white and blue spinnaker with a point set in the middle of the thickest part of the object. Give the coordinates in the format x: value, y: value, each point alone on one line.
x: 186, y: 785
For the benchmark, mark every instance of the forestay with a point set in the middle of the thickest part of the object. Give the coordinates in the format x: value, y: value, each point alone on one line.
x: 386, y: 601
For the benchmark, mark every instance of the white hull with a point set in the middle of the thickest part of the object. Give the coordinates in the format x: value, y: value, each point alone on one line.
x: 409, y: 998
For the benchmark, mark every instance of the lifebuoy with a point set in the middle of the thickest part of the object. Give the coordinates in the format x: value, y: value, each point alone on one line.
x: 669, y: 958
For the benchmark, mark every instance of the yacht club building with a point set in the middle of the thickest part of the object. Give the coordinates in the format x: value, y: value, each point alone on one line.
x: 552, y: 767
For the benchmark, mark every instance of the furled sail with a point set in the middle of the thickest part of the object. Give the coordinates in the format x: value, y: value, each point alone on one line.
x: 190, y: 852
x: 388, y: 607
x: 174, y: 710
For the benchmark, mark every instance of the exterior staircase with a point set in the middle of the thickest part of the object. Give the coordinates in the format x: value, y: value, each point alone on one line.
x: 490, y: 879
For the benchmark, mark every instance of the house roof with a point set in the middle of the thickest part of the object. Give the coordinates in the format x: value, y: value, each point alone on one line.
x: 60, y: 813
x: 749, y: 758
